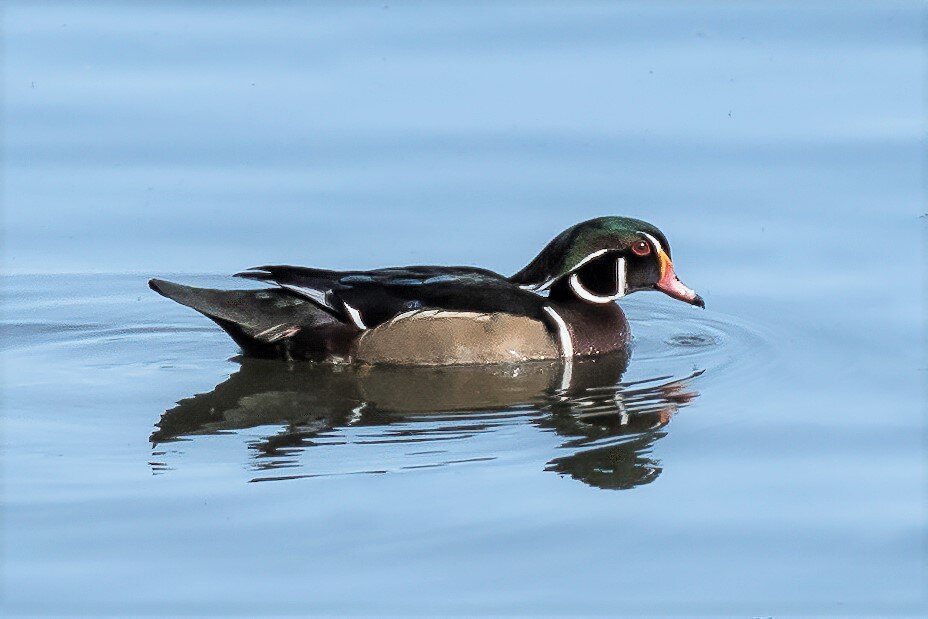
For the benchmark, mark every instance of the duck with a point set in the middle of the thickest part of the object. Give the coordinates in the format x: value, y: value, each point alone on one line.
x: 561, y: 305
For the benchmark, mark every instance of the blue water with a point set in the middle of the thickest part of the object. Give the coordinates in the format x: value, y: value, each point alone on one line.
x: 765, y: 457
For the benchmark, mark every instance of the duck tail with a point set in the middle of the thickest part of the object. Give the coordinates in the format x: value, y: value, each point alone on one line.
x: 264, y: 323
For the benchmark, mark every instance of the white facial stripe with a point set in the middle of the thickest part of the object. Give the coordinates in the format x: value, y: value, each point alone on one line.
x: 548, y: 283
x: 567, y: 346
x: 621, y: 285
x: 621, y: 278
x: 582, y: 292
x: 595, y: 254
x: 654, y: 241
x: 586, y: 295
x: 355, y: 316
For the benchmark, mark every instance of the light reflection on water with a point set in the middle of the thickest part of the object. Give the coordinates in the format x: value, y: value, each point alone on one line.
x: 610, y: 426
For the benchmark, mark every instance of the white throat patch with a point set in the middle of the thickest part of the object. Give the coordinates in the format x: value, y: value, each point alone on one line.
x: 621, y: 280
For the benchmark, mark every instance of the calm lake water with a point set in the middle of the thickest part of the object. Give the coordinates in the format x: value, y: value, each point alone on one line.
x: 764, y: 457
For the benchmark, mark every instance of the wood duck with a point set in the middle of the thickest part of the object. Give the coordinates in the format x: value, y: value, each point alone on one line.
x: 561, y: 305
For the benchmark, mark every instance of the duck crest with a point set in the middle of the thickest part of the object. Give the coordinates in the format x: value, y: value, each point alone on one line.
x: 578, y: 245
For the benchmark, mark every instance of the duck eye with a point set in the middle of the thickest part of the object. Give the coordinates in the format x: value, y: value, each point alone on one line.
x: 641, y: 248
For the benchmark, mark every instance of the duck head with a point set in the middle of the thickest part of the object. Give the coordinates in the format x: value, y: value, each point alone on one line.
x: 603, y: 259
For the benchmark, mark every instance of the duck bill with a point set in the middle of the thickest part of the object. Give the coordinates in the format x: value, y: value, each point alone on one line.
x: 671, y: 285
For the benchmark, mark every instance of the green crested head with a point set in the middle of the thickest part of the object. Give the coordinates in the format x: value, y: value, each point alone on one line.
x: 603, y: 259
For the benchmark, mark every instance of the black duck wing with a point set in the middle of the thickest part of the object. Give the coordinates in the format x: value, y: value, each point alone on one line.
x: 312, y: 284
x: 370, y: 298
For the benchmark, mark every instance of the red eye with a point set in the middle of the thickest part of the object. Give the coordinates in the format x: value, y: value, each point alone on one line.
x: 641, y: 248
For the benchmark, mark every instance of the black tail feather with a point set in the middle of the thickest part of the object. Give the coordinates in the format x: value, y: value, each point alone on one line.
x: 265, y: 323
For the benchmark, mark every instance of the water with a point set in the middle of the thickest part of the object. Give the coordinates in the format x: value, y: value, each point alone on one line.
x: 763, y: 457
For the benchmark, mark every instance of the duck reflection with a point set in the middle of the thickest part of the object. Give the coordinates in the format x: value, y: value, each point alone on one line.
x: 610, y: 426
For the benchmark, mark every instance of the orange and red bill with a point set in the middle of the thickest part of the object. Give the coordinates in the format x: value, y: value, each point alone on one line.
x: 671, y: 285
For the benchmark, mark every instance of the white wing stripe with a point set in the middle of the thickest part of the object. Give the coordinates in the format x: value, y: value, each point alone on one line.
x: 355, y: 316
x: 312, y: 294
